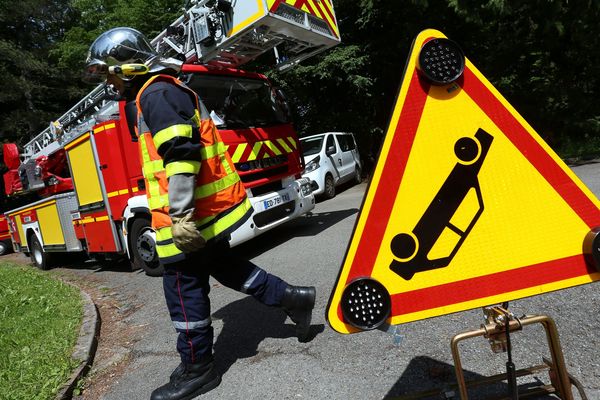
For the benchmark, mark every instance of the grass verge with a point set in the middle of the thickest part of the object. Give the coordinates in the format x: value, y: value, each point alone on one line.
x: 39, y: 325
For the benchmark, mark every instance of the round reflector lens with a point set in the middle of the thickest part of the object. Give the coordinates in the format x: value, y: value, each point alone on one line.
x: 365, y: 304
x: 442, y: 61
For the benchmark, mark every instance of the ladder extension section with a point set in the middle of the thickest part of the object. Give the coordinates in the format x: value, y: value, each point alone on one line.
x: 233, y: 32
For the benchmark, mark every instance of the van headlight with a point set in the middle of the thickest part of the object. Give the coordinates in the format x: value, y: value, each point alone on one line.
x: 312, y: 165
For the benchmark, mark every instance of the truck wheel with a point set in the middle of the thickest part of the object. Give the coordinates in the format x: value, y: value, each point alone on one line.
x: 40, y: 258
x: 329, y: 189
x: 5, y: 248
x: 142, y: 241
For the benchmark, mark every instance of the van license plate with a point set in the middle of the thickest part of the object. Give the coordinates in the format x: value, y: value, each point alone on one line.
x: 275, y: 201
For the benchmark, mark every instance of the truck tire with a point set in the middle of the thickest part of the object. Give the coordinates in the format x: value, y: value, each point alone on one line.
x: 5, y: 247
x: 40, y: 258
x: 142, y: 242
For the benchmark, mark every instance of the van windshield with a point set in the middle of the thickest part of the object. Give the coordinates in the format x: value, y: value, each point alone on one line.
x: 311, y: 145
x: 239, y: 102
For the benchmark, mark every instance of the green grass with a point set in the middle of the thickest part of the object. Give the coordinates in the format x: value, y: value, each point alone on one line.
x: 39, y: 325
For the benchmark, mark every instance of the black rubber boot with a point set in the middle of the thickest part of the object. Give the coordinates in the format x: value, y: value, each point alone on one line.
x: 298, y: 303
x: 188, y: 381
x: 177, y: 371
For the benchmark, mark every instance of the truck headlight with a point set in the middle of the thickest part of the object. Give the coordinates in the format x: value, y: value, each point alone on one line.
x: 306, y: 188
x: 312, y: 165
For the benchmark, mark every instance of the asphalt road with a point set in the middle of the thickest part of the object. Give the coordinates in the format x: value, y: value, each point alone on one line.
x: 260, y: 358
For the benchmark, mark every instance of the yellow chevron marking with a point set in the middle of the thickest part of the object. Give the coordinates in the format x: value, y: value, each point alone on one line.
x: 293, y: 142
x: 318, y: 12
x: 239, y: 152
x: 255, y: 151
x: 272, y: 146
x: 327, y: 5
x: 283, y: 144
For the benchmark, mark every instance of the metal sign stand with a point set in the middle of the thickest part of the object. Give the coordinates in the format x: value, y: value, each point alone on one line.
x: 500, y: 323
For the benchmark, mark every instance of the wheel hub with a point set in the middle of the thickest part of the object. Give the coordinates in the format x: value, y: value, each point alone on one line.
x: 146, y: 246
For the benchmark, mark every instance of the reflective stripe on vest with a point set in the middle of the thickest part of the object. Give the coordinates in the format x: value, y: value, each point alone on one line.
x: 221, y: 204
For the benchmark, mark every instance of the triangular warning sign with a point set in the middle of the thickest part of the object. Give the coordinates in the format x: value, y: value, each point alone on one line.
x: 467, y: 206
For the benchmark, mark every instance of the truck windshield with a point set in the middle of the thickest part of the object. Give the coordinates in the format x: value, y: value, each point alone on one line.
x: 239, y: 102
x: 311, y: 145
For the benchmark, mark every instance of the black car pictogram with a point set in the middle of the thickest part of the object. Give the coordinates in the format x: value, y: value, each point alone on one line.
x: 411, y: 249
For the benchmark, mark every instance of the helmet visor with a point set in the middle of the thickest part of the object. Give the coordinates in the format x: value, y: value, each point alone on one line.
x: 95, y: 72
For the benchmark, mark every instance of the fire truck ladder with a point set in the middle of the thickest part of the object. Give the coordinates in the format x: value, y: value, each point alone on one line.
x: 229, y: 33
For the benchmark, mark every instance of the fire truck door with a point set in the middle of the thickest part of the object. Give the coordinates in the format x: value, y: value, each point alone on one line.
x: 85, y: 173
x: 50, y: 227
x: 100, y: 232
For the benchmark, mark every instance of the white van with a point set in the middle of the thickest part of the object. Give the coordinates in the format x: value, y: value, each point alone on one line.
x: 331, y: 159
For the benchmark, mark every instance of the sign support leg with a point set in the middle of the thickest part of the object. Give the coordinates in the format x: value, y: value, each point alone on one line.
x: 500, y: 324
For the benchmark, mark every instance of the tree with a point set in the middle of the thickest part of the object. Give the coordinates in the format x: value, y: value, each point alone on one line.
x: 32, y: 89
x: 541, y: 55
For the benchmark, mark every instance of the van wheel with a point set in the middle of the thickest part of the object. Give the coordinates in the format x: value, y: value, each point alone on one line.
x: 329, y: 188
x: 40, y: 258
x: 357, y: 175
x: 142, y: 242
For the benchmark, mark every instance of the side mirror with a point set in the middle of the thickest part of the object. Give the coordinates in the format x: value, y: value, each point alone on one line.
x: 330, y: 150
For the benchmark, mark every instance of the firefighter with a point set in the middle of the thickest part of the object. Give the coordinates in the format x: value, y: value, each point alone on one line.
x: 196, y: 199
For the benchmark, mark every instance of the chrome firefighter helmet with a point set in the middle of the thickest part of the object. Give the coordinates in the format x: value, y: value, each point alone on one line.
x: 126, y: 53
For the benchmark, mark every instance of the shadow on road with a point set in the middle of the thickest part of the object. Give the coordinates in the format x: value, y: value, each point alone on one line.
x: 425, y: 374
x: 246, y: 323
x: 81, y: 262
x: 307, y: 226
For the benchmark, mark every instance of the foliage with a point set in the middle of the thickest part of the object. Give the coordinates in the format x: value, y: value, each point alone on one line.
x: 96, y: 16
x: 541, y: 54
x: 31, y: 89
x: 39, y: 324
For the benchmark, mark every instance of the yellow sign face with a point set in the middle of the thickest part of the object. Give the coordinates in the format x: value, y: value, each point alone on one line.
x: 467, y: 207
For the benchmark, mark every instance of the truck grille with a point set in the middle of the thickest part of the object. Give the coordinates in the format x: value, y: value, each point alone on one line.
x: 267, y: 188
x: 261, y: 164
x: 251, y: 171
x: 249, y: 178
x: 274, y: 214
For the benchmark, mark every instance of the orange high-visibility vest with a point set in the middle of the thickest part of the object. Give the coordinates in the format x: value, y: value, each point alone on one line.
x: 220, y: 200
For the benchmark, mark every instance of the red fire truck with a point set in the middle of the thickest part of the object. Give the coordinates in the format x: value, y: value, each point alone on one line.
x: 86, y: 166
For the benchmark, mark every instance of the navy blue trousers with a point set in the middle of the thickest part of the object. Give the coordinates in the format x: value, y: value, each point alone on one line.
x: 186, y: 289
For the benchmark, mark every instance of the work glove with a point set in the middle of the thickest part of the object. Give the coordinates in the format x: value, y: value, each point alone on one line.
x: 185, y: 235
